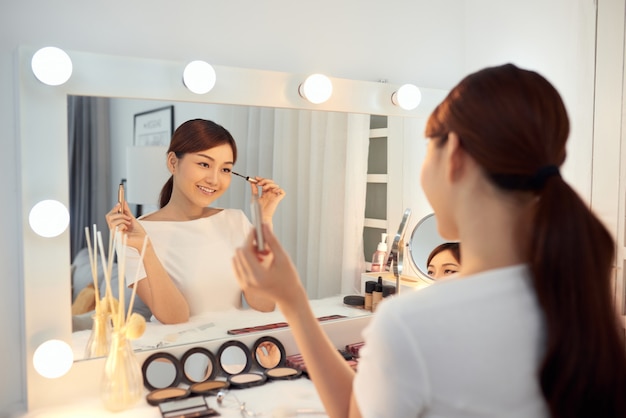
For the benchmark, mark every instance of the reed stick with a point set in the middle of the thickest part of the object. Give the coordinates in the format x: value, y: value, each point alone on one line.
x: 93, y: 263
x: 134, y: 292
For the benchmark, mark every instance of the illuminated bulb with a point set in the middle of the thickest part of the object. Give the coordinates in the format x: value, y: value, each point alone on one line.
x: 317, y: 88
x: 49, y: 218
x: 408, y: 97
x: 51, y: 66
x: 53, y: 359
x: 199, y: 77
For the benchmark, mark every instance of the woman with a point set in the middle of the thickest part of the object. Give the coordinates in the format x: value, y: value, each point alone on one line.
x: 444, y: 260
x: 186, y: 268
x: 528, y: 328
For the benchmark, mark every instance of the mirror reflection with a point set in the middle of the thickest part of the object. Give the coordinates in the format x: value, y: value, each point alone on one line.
x: 198, y: 365
x: 432, y: 256
x: 302, y: 150
x: 234, y: 357
x: 268, y: 352
x: 161, y: 370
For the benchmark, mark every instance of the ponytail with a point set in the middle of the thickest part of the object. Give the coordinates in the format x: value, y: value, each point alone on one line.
x: 166, y: 192
x: 583, y: 373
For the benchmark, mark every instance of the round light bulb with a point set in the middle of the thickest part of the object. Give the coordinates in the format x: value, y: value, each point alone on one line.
x: 408, y: 97
x: 51, y: 66
x: 53, y: 359
x: 199, y: 77
x: 49, y: 218
x: 317, y: 88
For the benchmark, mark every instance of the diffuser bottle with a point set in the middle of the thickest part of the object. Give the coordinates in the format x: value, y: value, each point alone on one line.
x: 380, y: 255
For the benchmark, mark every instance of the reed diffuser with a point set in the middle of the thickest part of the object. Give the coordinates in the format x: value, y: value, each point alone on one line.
x: 100, y: 337
x: 122, y: 382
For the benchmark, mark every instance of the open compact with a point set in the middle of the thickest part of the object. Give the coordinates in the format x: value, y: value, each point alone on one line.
x: 161, y: 375
x: 199, y: 367
x: 235, y: 361
x: 269, y: 355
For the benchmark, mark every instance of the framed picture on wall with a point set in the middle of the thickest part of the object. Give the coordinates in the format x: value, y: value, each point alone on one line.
x: 154, y: 127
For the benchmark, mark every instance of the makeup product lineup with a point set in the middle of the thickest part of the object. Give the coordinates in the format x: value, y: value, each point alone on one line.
x: 374, y: 293
x: 275, y: 325
x: 179, y: 387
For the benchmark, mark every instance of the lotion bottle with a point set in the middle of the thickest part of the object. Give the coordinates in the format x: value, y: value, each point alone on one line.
x: 380, y: 255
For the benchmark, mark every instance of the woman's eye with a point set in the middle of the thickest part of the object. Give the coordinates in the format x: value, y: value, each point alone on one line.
x: 430, y: 272
x: 205, y: 165
x: 227, y: 170
x: 450, y: 272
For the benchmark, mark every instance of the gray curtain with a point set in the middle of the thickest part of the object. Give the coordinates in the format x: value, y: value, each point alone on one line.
x: 89, y: 167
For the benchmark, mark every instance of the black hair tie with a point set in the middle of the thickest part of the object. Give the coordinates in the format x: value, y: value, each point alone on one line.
x: 538, y: 181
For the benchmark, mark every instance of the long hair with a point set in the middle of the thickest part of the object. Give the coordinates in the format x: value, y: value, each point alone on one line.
x: 193, y: 136
x: 514, y: 125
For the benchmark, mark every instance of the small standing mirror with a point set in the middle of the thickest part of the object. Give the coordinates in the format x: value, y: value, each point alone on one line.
x: 424, y: 238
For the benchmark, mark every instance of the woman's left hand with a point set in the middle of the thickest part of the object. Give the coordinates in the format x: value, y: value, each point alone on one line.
x: 271, y: 194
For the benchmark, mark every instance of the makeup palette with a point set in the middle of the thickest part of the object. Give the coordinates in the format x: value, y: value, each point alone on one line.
x: 235, y: 360
x: 269, y: 354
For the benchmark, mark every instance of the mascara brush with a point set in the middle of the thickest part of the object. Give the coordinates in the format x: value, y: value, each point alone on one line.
x: 248, y: 178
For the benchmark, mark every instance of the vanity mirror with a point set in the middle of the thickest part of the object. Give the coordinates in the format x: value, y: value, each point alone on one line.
x: 44, y: 165
x: 424, y: 239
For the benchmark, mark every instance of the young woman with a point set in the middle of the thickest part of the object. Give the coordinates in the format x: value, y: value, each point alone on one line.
x: 186, y: 267
x: 528, y: 329
x: 444, y: 260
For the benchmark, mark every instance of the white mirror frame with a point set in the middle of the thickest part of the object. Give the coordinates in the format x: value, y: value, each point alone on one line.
x: 44, y: 169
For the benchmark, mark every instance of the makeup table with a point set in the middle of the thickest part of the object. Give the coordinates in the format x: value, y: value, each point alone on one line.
x: 274, y: 399
x: 77, y: 394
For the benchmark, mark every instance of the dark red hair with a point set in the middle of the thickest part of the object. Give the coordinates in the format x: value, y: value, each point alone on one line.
x: 515, y: 126
x: 195, y: 135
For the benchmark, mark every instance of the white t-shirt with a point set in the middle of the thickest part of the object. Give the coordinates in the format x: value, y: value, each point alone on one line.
x: 463, y: 347
x: 198, y: 256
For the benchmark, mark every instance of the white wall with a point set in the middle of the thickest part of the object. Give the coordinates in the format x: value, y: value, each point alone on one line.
x: 429, y: 43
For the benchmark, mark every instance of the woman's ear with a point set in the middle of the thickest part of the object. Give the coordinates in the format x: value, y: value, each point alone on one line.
x: 456, y: 156
x: 172, y: 160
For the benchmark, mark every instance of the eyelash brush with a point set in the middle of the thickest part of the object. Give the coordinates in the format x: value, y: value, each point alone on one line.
x: 248, y: 178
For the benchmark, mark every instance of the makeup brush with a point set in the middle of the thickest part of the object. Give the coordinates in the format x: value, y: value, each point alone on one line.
x: 248, y: 178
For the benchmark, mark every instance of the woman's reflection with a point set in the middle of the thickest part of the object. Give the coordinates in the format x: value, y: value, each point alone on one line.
x: 187, y: 265
x: 444, y: 260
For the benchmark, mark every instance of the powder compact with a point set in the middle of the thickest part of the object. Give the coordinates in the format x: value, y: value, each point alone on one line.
x: 235, y: 360
x: 269, y: 354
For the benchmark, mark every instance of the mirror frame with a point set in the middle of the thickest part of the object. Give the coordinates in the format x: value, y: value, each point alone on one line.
x: 43, y: 162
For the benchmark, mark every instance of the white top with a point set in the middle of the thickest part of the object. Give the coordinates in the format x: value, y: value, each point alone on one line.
x: 463, y: 347
x: 197, y: 255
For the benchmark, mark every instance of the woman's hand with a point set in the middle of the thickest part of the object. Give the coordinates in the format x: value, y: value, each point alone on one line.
x: 271, y: 195
x: 277, y: 279
x: 125, y: 222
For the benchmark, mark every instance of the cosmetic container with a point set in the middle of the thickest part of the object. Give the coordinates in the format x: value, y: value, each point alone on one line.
x: 369, y: 288
x: 377, y: 294
x: 380, y: 255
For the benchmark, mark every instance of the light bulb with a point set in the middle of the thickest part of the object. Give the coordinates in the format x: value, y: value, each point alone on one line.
x: 51, y: 66
x: 49, y: 218
x: 53, y: 359
x: 199, y: 77
x: 408, y: 97
x: 317, y: 88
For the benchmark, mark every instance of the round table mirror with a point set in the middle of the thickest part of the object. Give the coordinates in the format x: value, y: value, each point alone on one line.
x: 198, y: 365
x: 161, y: 370
x: 234, y: 357
x: 424, y: 239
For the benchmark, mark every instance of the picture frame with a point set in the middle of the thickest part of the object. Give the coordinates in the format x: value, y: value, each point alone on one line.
x: 154, y: 127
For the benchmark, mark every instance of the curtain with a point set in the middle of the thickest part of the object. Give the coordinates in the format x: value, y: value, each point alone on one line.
x: 89, y: 167
x: 320, y: 160
x: 321, y: 219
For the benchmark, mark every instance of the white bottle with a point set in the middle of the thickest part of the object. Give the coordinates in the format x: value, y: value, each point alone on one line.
x: 380, y: 255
